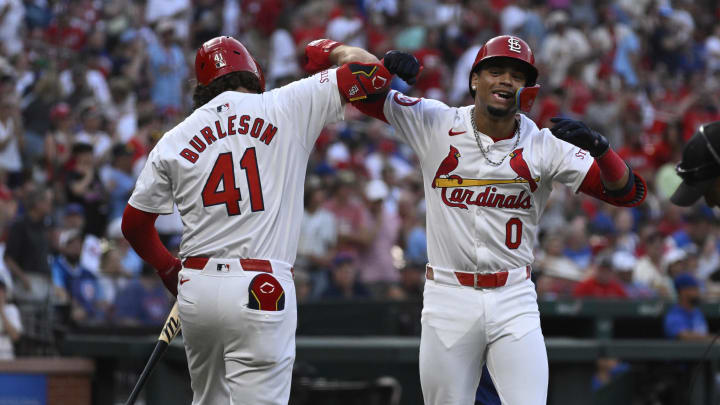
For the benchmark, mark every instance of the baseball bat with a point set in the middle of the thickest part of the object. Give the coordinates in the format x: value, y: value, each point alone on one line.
x: 450, y: 183
x: 169, y: 331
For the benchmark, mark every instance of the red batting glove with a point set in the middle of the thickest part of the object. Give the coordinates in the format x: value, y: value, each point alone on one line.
x: 170, y: 276
x: 317, y: 55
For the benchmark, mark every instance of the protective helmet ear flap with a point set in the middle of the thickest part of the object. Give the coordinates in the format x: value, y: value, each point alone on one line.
x: 222, y: 55
x: 525, y: 97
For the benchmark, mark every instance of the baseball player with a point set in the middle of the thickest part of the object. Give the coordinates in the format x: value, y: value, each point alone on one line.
x: 700, y: 168
x: 235, y: 168
x: 488, y: 171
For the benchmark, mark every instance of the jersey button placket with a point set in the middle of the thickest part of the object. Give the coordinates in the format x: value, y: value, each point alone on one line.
x: 479, y: 237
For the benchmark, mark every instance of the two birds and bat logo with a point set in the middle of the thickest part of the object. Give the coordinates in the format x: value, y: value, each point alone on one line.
x: 444, y: 179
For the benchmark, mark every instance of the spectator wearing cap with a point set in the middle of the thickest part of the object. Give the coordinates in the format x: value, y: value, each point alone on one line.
x: 411, y: 283
x: 318, y: 239
x: 563, y: 46
x: 10, y: 324
x: 84, y: 187
x: 168, y: 70
x: 675, y: 262
x: 58, y: 141
x: 625, y: 236
x: 119, y: 180
x: 376, y: 265
x: 697, y: 227
x: 557, y: 274
x: 577, y: 245
x: 699, y: 234
x: 413, y: 233
x: 142, y: 302
x: 28, y: 247
x: 348, y: 27
x: 385, y: 156
x: 344, y: 284
x: 303, y: 286
x: 130, y: 263
x: 74, y: 218
x: 92, y: 132
x: 11, y: 138
x: 351, y: 215
x: 623, y: 264
x: 685, y: 321
x: 699, y: 168
x: 602, y: 282
x: 649, y: 269
x: 75, y: 285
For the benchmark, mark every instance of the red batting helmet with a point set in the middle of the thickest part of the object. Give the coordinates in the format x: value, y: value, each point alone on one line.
x: 222, y: 55
x: 507, y: 46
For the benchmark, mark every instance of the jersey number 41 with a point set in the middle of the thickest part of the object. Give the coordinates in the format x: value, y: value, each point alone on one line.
x: 224, y: 172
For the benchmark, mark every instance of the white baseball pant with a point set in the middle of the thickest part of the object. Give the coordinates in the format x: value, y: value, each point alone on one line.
x: 463, y: 327
x: 236, y: 355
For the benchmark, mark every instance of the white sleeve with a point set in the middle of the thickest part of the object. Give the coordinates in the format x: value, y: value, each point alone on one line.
x: 309, y: 104
x: 563, y: 161
x: 13, y: 316
x: 415, y: 120
x: 153, y: 189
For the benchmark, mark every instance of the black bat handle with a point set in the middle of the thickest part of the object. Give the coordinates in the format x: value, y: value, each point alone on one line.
x: 157, y: 353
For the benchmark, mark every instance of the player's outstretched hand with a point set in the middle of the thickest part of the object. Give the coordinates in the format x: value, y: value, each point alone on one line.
x: 580, y: 135
x: 402, y: 64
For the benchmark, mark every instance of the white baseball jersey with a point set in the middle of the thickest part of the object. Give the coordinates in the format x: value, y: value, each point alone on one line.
x: 236, y: 169
x: 482, y: 217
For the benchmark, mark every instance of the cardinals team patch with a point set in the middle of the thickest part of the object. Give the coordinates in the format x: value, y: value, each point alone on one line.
x: 265, y: 293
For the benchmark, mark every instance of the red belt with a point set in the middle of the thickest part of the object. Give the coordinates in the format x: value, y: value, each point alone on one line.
x: 478, y: 280
x: 198, y: 263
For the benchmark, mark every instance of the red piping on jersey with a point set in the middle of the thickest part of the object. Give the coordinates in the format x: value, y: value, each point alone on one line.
x: 138, y: 227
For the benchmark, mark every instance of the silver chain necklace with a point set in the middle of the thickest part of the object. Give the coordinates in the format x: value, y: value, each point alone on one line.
x: 479, y: 143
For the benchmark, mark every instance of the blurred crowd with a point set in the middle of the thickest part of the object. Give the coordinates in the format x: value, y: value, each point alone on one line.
x: 88, y: 86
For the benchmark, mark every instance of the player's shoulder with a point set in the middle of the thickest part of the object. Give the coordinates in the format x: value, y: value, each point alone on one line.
x: 318, y: 80
x: 530, y: 130
x: 402, y: 100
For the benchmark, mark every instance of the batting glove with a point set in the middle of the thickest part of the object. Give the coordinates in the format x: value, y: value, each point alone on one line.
x: 317, y: 55
x: 580, y: 135
x: 402, y: 64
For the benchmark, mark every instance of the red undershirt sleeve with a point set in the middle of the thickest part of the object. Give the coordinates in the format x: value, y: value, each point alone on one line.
x: 138, y: 227
x: 631, y: 195
x: 372, y: 106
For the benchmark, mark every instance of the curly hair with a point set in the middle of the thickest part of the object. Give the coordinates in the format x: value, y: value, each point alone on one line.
x: 230, y: 81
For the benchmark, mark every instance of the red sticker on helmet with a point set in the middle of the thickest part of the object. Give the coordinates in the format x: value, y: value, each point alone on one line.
x: 265, y: 293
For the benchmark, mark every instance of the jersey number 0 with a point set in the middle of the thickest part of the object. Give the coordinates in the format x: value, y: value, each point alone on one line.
x: 223, y: 172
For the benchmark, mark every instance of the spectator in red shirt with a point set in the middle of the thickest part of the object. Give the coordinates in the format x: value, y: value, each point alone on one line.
x: 602, y: 283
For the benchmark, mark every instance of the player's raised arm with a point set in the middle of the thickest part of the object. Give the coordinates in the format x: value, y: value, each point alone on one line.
x: 609, y: 178
x: 360, y: 75
x: 322, y: 54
